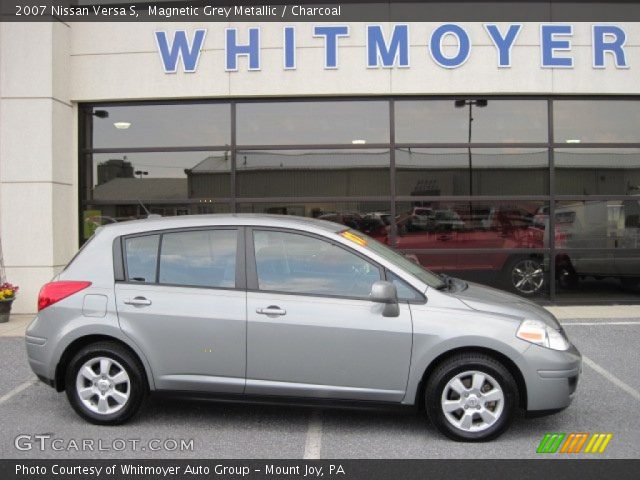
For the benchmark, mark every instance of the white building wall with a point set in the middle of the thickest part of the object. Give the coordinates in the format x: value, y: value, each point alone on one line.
x: 38, y: 173
x: 46, y: 68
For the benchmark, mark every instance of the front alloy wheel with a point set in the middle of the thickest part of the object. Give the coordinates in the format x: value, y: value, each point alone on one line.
x: 472, y: 401
x: 471, y: 397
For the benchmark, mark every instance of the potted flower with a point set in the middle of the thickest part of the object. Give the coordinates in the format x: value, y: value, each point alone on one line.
x: 7, y: 296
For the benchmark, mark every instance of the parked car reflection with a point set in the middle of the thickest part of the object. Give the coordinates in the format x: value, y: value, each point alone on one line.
x: 599, y: 239
x: 445, y: 238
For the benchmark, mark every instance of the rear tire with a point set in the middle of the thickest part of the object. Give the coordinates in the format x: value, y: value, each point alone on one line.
x: 471, y: 397
x: 105, y: 383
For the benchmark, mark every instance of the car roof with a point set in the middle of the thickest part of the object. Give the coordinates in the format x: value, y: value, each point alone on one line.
x: 228, y: 219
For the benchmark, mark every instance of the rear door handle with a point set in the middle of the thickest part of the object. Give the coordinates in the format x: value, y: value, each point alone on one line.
x: 137, y: 301
x: 271, y: 310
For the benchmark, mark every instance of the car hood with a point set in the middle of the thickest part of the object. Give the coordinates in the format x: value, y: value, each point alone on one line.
x: 487, y: 299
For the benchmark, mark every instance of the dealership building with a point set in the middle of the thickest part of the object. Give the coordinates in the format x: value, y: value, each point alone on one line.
x: 504, y: 153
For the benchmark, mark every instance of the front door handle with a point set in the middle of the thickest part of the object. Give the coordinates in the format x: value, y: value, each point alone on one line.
x: 137, y: 301
x: 271, y: 310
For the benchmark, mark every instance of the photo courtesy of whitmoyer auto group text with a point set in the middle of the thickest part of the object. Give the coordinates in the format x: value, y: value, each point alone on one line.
x: 360, y: 240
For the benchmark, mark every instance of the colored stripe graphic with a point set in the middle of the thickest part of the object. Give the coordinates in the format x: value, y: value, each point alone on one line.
x: 598, y: 443
x: 573, y: 442
x: 580, y: 443
x: 550, y: 443
x: 569, y: 443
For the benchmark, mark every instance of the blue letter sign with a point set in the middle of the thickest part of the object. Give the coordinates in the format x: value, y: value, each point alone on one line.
x: 435, y: 45
x: 396, y: 52
x: 609, y: 39
x: 331, y: 35
x: 252, y: 49
x: 549, y: 45
x: 503, y: 43
x: 389, y: 47
x: 180, y: 48
x: 289, y: 50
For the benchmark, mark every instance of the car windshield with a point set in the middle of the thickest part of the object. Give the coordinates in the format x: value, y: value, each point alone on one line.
x: 422, y: 274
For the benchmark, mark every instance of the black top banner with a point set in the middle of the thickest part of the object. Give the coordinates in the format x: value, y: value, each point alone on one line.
x: 314, y: 11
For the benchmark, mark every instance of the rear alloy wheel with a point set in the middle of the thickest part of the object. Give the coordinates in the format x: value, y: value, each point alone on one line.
x: 471, y: 397
x: 525, y: 276
x: 105, y: 383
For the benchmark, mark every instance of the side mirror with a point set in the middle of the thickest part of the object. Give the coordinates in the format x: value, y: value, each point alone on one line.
x: 386, y: 293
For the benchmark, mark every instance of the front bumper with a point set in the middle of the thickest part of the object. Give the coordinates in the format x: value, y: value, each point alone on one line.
x: 552, y: 377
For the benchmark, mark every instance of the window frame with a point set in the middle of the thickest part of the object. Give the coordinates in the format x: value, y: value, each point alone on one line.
x: 240, y: 274
x: 252, y: 268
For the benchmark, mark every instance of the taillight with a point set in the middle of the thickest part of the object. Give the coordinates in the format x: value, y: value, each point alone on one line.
x: 55, y: 291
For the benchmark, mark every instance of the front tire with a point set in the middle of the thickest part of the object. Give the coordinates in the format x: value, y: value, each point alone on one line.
x: 471, y: 398
x: 105, y: 383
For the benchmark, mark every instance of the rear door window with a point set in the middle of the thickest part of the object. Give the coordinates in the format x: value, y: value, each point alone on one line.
x: 199, y: 258
x: 141, y: 254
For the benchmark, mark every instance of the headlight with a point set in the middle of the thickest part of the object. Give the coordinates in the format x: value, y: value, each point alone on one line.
x: 541, y: 334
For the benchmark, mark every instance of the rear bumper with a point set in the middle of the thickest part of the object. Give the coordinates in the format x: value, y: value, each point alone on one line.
x: 37, y: 355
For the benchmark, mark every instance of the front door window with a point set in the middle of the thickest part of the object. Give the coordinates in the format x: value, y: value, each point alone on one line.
x: 293, y: 263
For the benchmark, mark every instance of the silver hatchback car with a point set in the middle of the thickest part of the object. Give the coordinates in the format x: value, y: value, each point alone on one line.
x: 239, y: 307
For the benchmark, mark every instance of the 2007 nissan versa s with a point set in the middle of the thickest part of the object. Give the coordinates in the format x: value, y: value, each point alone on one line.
x: 239, y: 306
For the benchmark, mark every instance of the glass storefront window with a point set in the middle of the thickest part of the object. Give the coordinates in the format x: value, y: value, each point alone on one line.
x: 428, y: 225
x: 478, y: 171
x: 601, y: 224
x: 597, y: 171
x: 165, y: 176
x: 598, y: 249
x: 332, y: 160
x: 372, y: 218
x: 180, y: 125
x: 498, y: 270
x: 585, y: 275
x: 305, y: 123
x: 96, y: 215
x: 447, y: 121
x: 596, y: 121
x: 312, y: 173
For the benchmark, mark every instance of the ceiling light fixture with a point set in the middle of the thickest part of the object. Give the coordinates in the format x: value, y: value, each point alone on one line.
x: 122, y: 125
